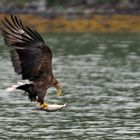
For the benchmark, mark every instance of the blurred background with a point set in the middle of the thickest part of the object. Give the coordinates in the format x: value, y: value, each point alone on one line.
x: 96, y: 47
x: 77, y: 16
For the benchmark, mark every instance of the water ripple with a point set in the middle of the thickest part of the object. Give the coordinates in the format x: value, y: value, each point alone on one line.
x: 101, y: 76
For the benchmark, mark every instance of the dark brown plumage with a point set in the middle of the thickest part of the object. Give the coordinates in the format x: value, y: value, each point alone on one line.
x: 31, y: 58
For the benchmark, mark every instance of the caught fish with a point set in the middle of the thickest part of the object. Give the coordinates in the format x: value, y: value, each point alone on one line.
x: 51, y: 107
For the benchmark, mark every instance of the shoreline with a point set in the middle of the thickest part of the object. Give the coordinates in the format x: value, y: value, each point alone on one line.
x: 96, y: 23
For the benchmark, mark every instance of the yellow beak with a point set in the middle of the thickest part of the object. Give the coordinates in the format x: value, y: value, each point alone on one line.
x: 58, y: 92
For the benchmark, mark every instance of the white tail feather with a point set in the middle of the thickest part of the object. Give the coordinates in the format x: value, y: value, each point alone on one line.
x: 14, y: 87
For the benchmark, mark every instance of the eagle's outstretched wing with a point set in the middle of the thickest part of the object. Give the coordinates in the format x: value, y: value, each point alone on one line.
x: 30, y: 56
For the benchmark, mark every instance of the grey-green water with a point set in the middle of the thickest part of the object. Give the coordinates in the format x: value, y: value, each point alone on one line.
x: 101, y: 77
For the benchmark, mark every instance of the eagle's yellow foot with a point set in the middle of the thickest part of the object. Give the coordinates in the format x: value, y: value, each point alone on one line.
x: 43, y: 106
x: 58, y: 92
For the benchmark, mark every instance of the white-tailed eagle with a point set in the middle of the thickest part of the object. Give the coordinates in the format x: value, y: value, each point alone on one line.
x: 31, y: 58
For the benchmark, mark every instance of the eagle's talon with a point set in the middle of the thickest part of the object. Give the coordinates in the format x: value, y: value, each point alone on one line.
x: 43, y: 106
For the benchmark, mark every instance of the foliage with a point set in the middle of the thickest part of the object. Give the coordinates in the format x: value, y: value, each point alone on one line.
x: 107, y: 1
x: 22, y: 1
x: 55, y: 2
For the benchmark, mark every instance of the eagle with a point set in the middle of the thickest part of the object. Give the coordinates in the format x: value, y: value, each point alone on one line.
x: 31, y: 58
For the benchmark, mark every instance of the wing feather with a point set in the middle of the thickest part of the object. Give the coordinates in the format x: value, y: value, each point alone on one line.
x: 30, y: 56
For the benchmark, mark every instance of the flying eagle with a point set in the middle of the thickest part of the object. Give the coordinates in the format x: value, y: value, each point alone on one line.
x: 31, y: 58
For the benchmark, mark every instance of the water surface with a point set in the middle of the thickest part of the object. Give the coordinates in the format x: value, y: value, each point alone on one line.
x: 101, y: 77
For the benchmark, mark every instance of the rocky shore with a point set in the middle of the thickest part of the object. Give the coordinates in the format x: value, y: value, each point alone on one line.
x: 97, y: 23
x: 85, y: 16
